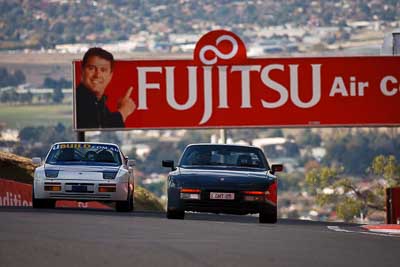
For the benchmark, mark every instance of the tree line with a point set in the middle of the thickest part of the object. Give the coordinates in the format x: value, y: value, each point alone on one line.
x: 18, y: 78
x: 11, y: 78
x: 352, y: 150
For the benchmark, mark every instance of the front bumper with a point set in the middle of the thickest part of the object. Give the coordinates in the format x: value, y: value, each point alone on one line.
x: 225, y: 206
x: 68, y: 190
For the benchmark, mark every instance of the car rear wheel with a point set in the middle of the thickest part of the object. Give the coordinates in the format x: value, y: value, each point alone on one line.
x: 175, y: 214
x: 268, y: 216
x: 125, y: 206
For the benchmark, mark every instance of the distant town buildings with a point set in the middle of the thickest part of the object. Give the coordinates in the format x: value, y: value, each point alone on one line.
x: 272, y: 40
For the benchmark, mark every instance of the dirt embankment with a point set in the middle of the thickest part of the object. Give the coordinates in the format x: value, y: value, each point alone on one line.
x: 17, y: 168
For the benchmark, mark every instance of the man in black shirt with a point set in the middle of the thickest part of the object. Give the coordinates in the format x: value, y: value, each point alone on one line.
x: 91, y: 109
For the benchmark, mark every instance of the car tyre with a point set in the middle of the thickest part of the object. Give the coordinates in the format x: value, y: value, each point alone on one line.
x: 131, y: 204
x: 268, y: 216
x: 176, y: 214
x: 42, y: 203
x: 125, y: 206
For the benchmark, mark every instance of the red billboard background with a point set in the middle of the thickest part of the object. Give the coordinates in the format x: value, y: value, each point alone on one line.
x: 221, y: 87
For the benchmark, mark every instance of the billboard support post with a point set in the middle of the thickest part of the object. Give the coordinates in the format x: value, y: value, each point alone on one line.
x: 392, y: 205
x: 80, y: 136
x: 396, y: 43
x: 222, y: 134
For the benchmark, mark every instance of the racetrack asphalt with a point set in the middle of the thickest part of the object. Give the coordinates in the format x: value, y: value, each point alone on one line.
x: 77, y: 237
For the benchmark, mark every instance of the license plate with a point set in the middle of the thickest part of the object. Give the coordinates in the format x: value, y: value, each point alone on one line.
x: 79, y: 188
x: 223, y: 196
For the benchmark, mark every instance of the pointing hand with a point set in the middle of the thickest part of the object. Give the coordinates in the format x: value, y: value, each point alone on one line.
x: 126, y: 106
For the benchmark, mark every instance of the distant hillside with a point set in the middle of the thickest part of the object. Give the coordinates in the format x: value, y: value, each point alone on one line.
x: 44, y: 24
x: 20, y: 169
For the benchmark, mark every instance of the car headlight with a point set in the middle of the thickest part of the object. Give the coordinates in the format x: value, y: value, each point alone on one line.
x: 51, y: 173
x: 109, y: 174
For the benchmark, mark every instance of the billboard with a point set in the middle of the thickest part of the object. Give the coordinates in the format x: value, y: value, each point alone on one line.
x: 222, y: 88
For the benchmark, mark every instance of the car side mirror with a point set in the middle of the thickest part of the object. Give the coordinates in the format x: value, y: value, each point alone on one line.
x: 36, y: 160
x: 276, y: 168
x: 168, y: 163
x: 131, y: 163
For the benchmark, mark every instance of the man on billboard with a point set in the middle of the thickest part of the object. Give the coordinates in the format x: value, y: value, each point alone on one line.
x: 91, y: 109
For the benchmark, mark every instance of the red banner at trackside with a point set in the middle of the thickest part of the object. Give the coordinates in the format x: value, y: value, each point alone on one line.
x: 221, y: 87
x: 15, y: 194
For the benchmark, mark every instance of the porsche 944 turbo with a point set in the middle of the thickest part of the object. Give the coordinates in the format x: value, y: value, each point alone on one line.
x: 84, y: 171
x: 221, y: 178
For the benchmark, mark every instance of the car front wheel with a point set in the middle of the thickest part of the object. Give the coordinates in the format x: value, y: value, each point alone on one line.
x: 42, y: 203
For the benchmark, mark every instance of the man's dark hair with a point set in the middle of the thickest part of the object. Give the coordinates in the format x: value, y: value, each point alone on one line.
x: 100, y: 52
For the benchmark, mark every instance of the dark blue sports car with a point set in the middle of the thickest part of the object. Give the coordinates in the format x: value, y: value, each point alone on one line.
x: 218, y: 178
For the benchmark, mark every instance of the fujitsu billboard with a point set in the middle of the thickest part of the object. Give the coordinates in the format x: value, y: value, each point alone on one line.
x: 223, y: 88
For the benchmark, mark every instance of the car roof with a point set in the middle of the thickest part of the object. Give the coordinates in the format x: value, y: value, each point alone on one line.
x: 213, y: 144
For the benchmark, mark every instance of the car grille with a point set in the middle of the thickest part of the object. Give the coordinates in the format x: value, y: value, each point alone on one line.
x: 77, y: 196
x: 85, y: 187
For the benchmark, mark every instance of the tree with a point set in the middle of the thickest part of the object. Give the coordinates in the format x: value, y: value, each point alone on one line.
x: 49, y: 83
x: 30, y: 133
x: 193, y: 136
x: 5, y: 97
x: 109, y: 137
x: 26, y: 98
x: 35, y: 141
x: 308, y: 138
x: 342, y: 193
x: 11, y: 79
x: 19, y: 77
x: 345, y: 149
x: 3, y: 75
x: 276, y: 133
x: 160, y: 151
x: 387, y: 167
x: 290, y: 181
x: 58, y: 95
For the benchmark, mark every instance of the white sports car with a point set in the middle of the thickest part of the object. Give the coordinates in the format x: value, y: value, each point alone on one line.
x: 84, y: 171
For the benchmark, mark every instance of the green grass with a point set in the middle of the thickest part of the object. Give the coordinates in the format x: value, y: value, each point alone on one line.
x: 20, y: 116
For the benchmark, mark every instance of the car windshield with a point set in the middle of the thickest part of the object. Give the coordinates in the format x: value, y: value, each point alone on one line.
x: 224, y: 155
x: 88, y: 154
